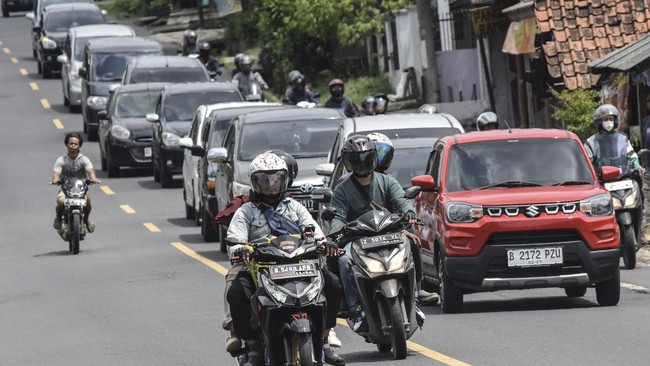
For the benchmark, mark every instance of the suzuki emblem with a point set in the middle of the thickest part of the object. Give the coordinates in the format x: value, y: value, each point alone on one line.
x: 306, y: 188
x: 532, y: 211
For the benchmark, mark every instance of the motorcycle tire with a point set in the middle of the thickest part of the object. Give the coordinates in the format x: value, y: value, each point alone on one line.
x: 628, y: 246
x: 304, y: 347
x: 398, y: 333
x: 75, y: 234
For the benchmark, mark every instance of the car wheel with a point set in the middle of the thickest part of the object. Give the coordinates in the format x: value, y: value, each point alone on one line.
x: 84, y: 123
x: 113, y: 168
x: 166, y: 178
x: 104, y: 163
x: 628, y: 246
x: 608, y: 293
x: 5, y: 13
x: 39, y: 67
x: 66, y: 98
x: 208, y: 232
x: 189, y: 210
x: 451, y: 297
x: 93, y: 134
x: 579, y: 291
x: 47, y: 71
x: 34, y: 54
x: 198, y: 216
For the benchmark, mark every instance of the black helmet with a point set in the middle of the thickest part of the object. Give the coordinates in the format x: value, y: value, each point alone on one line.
x: 246, y: 64
x: 292, y: 164
x: 368, y: 105
x: 485, y: 120
x: 359, y: 155
x: 337, y: 87
x: 204, y: 49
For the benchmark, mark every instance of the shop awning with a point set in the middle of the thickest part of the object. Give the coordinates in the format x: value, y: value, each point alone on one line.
x: 520, y: 38
x: 635, y: 57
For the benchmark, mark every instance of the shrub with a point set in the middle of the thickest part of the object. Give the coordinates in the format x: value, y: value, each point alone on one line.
x: 576, y: 108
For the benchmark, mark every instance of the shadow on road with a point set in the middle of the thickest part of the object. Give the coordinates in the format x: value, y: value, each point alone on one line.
x: 183, y: 222
x: 524, y: 304
x: 150, y: 184
x: 53, y: 254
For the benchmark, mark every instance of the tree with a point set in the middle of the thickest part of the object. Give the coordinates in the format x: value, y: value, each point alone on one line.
x: 576, y: 108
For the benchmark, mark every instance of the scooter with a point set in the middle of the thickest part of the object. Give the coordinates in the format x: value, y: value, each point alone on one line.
x: 73, y: 227
x: 384, y: 273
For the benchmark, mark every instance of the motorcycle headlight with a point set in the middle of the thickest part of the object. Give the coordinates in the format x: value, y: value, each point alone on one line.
x: 170, y: 139
x: 459, y: 212
x: 396, y: 259
x: 373, y: 265
x: 600, y: 205
x: 630, y: 200
x: 314, y: 287
x: 120, y: 132
x: 273, y: 290
x: 96, y: 102
x: 48, y: 43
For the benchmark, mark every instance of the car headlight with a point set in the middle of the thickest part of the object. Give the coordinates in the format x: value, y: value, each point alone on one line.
x: 273, y: 290
x: 97, y: 102
x: 457, y: 212
x: 240, y: 189
x: 120, y: 132
x: 170, y: 139
x: 600, y: 205
x: 48, y: 44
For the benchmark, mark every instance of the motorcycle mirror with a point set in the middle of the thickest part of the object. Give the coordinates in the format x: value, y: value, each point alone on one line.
x: 412, y: 192
x: 328, y: 214
x: 321, y: 195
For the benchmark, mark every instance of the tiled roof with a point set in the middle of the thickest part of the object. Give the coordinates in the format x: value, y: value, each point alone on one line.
x: 586, y: 30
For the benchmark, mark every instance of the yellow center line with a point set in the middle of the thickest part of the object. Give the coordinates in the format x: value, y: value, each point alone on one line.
x: 24, y: 72
x: 14, y: 60
x: 437, y: 356
x: 33, y: 85
x: 107, y: 190
x: 127, y: 209
x: 6, y: 50
x: 45, y: 103
x: 57, y: 123
x: 153, y: 228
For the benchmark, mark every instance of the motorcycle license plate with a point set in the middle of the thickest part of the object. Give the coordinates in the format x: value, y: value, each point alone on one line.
x: 298, y: 270
x: 147, y: 152
x: 535, y: 257
x: 75, y: 202
x: 622, y: 184
x: 380, y: 241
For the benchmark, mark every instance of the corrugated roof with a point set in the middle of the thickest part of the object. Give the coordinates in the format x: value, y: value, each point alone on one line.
x: 632, y: 57
x: 584, y: 31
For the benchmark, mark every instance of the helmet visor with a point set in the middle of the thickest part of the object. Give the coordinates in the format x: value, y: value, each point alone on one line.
x: 384, y: 154
x: 269, y: 183
x: 361, y: 162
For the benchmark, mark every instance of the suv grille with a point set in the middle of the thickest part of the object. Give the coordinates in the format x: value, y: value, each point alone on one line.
x: 302, y: 194
x: 533, y: 210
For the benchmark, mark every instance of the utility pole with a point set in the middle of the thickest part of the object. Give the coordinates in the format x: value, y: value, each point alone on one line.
x: 430, y: 74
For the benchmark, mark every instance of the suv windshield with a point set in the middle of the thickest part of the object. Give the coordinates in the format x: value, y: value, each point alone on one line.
x: 136, y: 104
x: 62, y: 21
x: 516, y: 163
x: 407, y: 163
x: 304, y: 139
x: 181, y: 107
x: 111, y: 66
x: 169, y: 75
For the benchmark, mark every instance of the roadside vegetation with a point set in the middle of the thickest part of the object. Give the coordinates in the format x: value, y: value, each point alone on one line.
x: 575, y: 108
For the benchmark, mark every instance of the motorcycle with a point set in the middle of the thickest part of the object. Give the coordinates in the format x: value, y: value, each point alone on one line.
x: 384, y: 273
x: 73, y: 227
x: 255, y: 92
x: 289, y: 304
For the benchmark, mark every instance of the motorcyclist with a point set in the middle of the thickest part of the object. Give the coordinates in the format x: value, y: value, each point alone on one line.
x: 487, y: 121
x: 73, y: 164
x: 373, y: 105
x: 189, y: 45
x: 299, y: 93
x: 339, y: 101
x: 269, y: 180
x: 359, y: 156
x: 236, y: 60
x: 210, y: 63
x: 246, y: 75
x: 609, y: 147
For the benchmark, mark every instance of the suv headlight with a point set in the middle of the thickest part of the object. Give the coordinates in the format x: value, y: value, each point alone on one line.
x: 457, y: 212
x: 120, y: 132
x: 48, y: 44
x: 600, y: 205
x: 170, y: 139
x: 97, y: 102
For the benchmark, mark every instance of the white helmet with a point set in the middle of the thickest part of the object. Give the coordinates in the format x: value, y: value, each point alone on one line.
x: 269, y: 174
x: 428, y: 108
x: 486, y: 119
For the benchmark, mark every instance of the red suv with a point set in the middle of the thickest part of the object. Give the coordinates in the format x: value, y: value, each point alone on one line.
x: 516, y: 209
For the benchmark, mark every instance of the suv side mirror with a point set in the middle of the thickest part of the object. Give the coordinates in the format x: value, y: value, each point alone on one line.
x: 152, y: 117
x: 101, y: 115
x: 322, y: 195
x: 412, y: 192
x: 62, y: 58
x: 186, y: 142
x: 30, y: 15
x: 82, y: 72
x: 218, y: 155
x: 610, y: 173
x: 325, y: 169
x: 425, y: 182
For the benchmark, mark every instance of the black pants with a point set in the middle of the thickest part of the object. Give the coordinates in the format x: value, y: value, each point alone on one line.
x: 243, y: 288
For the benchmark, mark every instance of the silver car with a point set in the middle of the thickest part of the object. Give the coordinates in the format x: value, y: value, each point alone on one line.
x: 72, y: 57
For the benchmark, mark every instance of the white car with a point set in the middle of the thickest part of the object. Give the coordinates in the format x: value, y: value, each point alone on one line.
x: 204, y: 114
x: 72, y: 58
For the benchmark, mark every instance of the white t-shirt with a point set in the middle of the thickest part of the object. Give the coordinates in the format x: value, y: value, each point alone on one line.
x: 68, y: 167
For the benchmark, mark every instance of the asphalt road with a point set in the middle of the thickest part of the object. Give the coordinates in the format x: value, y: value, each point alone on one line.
x: 146, y: 290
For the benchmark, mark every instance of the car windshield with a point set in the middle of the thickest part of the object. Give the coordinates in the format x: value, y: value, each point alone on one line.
x: 516, y: 163
x: 111, y: 66
x: 181, y: 107
x: 169, y: 75
x: 303, y: 139
x: 407, y: 163
x: 136, y: 104
x: 45, y: 3
x: 62, y: 21
x: 217, y: 129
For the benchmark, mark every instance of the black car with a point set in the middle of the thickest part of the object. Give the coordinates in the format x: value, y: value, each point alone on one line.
x: 57, y: 20
x: 167, y: 69
x: 104, y: 62
x: 124, y: 134
x: 15, y: 5
x: 175, y: 109
x: 37, y: 17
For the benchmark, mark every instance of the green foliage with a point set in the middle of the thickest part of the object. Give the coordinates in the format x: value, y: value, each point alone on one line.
x: 126, y: 8
x: 576, y: 108
x: 358, y: 88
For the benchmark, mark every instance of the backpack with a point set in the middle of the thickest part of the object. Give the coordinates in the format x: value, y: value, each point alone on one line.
x: 225, y: 216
